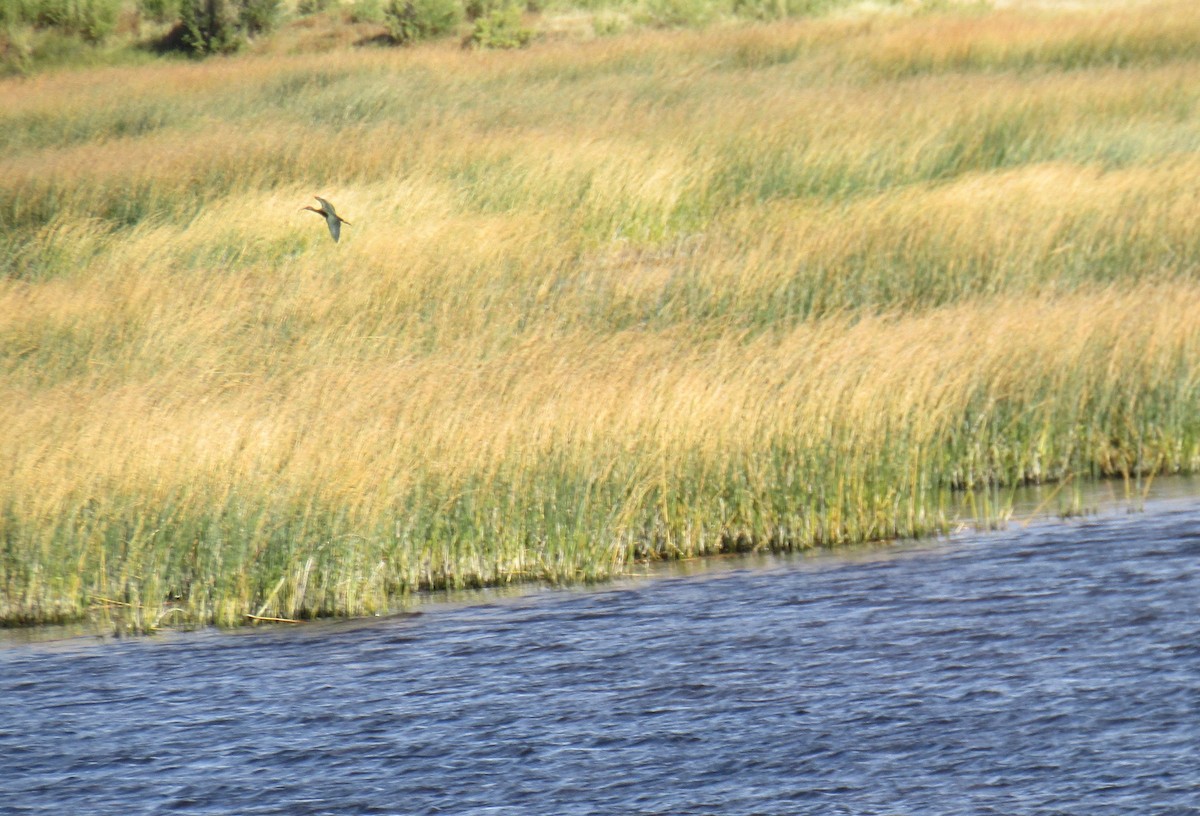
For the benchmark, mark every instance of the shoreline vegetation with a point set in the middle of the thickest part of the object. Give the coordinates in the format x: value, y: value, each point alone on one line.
x: 649, y: 295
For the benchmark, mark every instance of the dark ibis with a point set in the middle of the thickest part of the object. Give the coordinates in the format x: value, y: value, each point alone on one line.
x: 332, y: 219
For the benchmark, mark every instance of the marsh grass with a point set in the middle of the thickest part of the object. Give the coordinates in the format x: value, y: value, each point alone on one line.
x: 655, y: 296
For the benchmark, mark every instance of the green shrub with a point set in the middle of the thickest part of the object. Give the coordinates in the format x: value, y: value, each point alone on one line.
x: 49, y: 13
x: 474, y: 9
x: 16, y: 52
x: 96, y: 19
x: 781, y: 9
x: 93, y: 20
x: 312, y: 6
x: 258, y: 16
x: 13, y: 13
x: 366, y: 11
x: 209, y: 26
x: 219, y: 26
x: 501, y: 28
x: 679, y: 13
x: 161, y: 11
x: 607, y: 24
x: 761, y: 9
x: 42, y: 12
x: 411, y: 20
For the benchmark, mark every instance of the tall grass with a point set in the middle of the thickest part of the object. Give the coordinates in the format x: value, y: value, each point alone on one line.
x: 653, y: 296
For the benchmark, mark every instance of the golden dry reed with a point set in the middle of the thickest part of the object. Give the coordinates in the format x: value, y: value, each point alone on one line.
x: 648, y: 296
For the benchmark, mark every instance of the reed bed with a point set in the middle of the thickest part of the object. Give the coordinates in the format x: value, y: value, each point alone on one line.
x: 653, y: 296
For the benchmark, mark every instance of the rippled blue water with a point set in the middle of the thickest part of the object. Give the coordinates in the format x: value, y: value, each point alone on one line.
x: 1050, y: 670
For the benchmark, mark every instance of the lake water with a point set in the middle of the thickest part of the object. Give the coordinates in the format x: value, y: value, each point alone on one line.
x: 1039, y: 670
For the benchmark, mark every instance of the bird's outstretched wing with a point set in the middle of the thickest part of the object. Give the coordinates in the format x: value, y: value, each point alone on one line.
x: 332, y: 219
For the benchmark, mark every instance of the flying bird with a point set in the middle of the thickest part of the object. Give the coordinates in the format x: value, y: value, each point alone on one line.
x: 332, y: 219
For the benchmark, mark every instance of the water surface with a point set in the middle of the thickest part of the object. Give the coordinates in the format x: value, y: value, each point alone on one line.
x: 1049, y: 669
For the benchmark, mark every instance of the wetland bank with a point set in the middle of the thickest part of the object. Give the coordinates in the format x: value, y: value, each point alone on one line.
x: 655, y: 295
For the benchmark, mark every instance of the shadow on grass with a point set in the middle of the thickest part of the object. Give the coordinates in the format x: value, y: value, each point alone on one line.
x: 173, y: 43
x: 380, y: 40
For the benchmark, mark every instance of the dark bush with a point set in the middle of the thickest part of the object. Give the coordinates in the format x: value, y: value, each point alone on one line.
x: 209, y: 26
x: 411, y: 20
x: 219, y: 26
x: 258, y: 16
